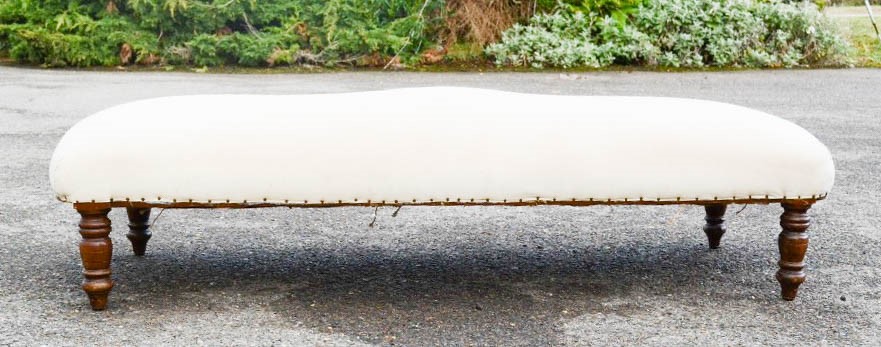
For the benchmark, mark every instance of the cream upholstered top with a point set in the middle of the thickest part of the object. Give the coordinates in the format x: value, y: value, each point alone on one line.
x: 434, y: 144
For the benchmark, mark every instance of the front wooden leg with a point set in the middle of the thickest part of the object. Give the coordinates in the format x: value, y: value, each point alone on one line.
x: 793, y: 243
x: 715, y: 226
x: 96, y: 250
x: 138, y: 229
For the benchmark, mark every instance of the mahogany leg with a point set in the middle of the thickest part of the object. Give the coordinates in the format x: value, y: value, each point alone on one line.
x: 96, y: 250
x: 793, y: 243
x: 715, y: 226
x: 138, y: 229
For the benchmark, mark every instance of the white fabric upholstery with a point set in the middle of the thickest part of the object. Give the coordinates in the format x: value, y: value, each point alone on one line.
x: 433, y: 144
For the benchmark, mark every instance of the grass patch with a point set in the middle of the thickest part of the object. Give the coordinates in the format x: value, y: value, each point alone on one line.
x: 859, y: 31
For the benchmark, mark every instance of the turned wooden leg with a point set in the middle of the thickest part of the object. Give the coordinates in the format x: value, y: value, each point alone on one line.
x: 715, y: 226
x: 793, y: 243
x: 96, y: 250
x: 138, y: 232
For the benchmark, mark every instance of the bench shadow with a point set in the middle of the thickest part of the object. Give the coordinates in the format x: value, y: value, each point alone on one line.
x: 418, y: 295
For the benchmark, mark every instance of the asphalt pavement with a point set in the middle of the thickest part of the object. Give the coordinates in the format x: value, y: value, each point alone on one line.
x: 502, y: 276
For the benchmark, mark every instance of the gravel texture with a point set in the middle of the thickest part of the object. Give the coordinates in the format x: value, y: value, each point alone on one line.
x: 445, y: 275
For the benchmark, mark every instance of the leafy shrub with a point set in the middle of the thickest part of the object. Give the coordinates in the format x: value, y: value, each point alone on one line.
x: 214, y: 32
x: 619, y: 10
x: 686, y: 33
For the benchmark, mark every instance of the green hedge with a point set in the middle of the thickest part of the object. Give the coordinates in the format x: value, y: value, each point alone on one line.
x: 596, y: 33
x: 214, y: 32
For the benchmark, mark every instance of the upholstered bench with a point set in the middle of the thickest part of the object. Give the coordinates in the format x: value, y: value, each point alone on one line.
x: 433, y: 146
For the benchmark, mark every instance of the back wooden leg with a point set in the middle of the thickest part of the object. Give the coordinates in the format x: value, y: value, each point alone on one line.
x: 96, y: 250
x: 715, y: 226
x: 793, y: 243
x: 138, y: 229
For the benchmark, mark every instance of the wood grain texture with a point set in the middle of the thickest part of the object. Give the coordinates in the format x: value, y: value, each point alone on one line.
x: 96, y: 249
x: 138, y: 229
x: 715, y: 226
x: 793, y: 244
